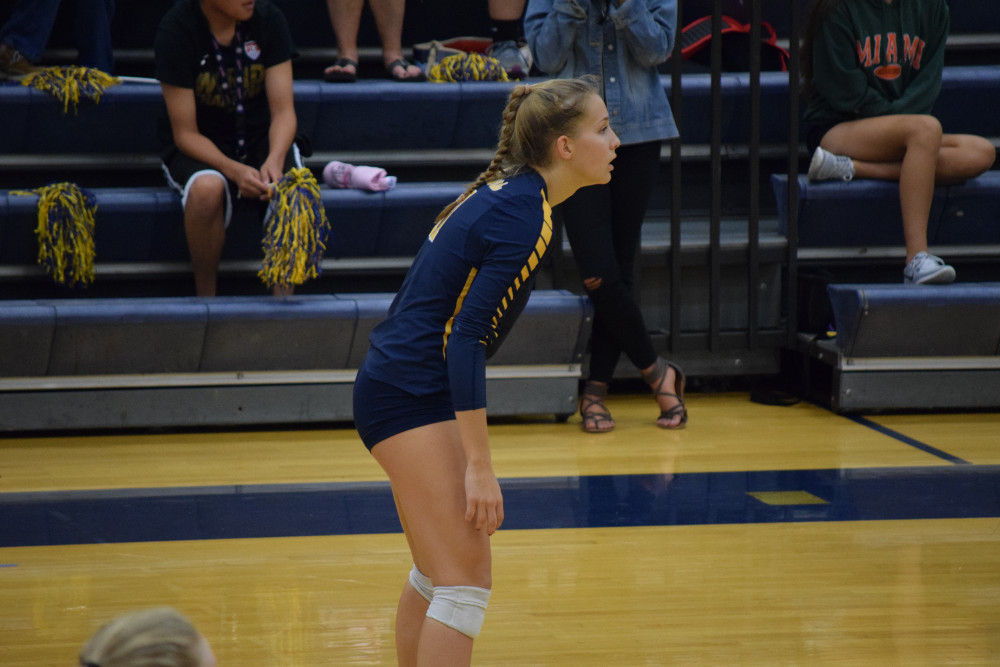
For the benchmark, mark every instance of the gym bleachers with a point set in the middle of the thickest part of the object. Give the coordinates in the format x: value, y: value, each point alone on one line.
x: 913, y: 347
x: 432, y: 135
x: 898, y: 346
x: 435, y: 137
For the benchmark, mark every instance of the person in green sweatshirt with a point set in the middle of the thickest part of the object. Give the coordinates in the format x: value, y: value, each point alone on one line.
x: 872, y: 71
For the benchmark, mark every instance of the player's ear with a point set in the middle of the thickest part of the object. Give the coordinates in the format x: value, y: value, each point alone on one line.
x: 563, y: 147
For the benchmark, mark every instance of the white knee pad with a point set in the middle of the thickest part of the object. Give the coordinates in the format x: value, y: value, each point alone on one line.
x: 461, y: 608
x: 421, y: 583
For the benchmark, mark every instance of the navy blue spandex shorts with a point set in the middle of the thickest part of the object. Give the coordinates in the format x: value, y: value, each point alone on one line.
x: 382, y: 410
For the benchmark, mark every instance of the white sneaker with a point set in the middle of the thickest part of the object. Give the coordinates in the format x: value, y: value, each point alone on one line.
x: 825, y: 166
x: 516, y: 60
x: 926, y: 269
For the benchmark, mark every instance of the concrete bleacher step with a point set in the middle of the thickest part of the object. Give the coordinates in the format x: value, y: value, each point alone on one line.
x: 904, y: 347
x: 113, y: 363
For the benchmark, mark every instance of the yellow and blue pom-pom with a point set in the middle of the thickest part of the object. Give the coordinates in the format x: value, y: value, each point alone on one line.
x: 467, y: 67
x: 296, y: 231
x: 65, y: 232
x: 70, y: 84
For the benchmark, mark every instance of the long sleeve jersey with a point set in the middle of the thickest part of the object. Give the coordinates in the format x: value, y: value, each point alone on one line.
x: 466, y: 286
x: 872, y: 58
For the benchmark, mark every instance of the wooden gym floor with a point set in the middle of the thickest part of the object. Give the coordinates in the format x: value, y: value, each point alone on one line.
x: 759, y: 535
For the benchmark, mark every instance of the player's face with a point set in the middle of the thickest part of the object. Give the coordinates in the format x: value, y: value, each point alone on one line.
x: 594, y: 145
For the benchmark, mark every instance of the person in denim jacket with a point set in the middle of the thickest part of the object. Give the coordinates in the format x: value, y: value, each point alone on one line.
x: 622, y: 42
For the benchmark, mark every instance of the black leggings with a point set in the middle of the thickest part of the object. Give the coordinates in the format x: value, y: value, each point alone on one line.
x: 603, y: 224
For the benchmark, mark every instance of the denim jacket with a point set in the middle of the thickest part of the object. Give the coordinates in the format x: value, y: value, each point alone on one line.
x: 622, y: 45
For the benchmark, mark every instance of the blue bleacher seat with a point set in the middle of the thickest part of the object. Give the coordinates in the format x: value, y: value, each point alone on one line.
x: 110, y: 336
x: 265, y: 334
x: 897, y: 320
x: 146, y: 224
x: 131, y: 336
x: 382, y: 114
x: 865, y: 213
x: 26, y: 338
x: 140, y: 362
x: 971, y: 215
x: 379, y: 115
x: 124, y: 121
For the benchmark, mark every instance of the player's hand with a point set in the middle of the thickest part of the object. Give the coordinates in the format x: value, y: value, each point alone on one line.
x: 484, y: 502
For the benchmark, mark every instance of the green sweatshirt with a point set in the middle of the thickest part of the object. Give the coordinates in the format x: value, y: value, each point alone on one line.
x: 873, y: 58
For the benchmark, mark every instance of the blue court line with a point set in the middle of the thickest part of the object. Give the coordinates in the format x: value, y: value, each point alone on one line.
x: 941, y: 454
x: 288, y: 510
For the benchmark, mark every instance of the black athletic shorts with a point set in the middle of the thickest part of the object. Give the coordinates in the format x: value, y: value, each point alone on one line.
x: 179, y: 170
x: 815, y: 134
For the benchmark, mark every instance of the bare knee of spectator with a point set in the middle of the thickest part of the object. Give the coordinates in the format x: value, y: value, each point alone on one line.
x: 592, y: 283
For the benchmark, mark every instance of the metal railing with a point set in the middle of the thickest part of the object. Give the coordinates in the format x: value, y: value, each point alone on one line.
x: 715, y: 339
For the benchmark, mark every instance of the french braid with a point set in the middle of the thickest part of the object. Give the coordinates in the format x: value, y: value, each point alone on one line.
x: 535, y: 115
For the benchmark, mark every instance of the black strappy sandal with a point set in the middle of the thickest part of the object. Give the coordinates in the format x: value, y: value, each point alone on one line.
x: 341, y: 75
x: 390, y: 70
x: 656, y: 376
x: 593, y: 394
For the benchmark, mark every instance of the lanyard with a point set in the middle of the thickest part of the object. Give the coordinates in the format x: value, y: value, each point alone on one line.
x: 236, y: 96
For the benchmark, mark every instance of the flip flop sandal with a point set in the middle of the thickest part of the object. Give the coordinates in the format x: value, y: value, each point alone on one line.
x: 390, y: 69
x: 342, y: 76
x: 657, y: 376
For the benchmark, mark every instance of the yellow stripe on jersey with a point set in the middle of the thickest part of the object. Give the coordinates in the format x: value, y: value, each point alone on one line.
x: 458, y: 306
x: 544, y: 239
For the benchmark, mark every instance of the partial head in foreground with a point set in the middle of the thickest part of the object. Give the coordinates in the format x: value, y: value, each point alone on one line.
x: 160, y: 637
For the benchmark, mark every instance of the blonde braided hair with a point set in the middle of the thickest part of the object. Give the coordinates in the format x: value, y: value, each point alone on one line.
x: 535, y: 116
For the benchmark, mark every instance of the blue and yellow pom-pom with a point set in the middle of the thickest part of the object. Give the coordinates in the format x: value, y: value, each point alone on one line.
x: 467, y: 67
x: 65, y: 232
x: 70, y: 84
x: 296, y: 231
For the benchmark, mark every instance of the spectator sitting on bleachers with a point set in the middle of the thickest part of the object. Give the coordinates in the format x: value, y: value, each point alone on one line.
x: 872, y: 71
x: 25, y: 34
x: 226, y: 74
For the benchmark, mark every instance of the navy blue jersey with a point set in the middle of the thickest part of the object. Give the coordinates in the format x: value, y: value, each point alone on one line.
x: 467, y: 284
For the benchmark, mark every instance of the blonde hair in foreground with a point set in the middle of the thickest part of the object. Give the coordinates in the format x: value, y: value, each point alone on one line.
x: 535, y: 116
x: 160, y: 637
